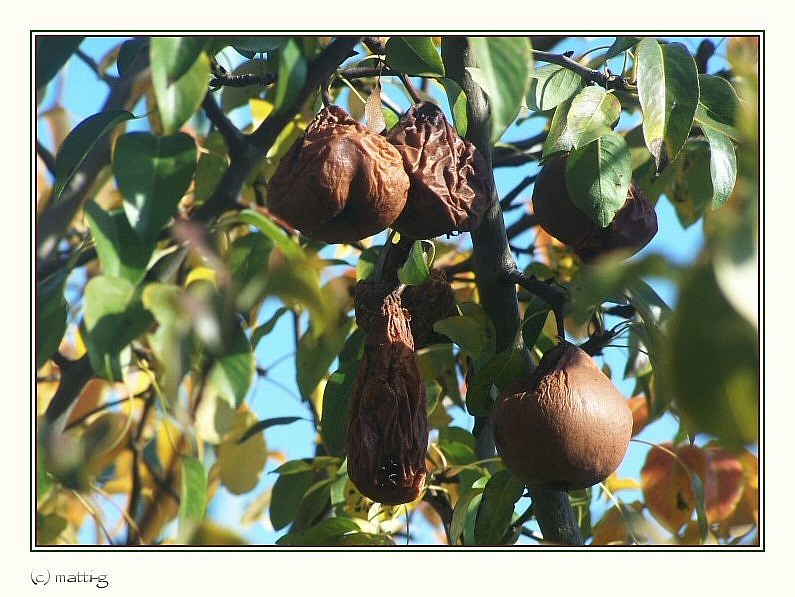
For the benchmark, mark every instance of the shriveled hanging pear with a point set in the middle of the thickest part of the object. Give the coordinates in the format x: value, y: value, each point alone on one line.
x: 449, y: 183
x: 567, y: 428
x: 632, y: 227
x: 339, y: 182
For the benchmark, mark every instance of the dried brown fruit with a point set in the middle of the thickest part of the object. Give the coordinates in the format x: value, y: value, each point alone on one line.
x: 426, y: 304
x: 388, y: 425
x: 631, y: 229
x: 449, y: 186
x: 339, y: 182
x: 569, y: 429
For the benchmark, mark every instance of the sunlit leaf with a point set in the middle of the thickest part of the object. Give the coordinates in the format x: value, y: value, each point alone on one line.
x: 329, y: 531
x: 692, y: 188
x: 503, y: 66
x: 290, y: 75
x: 247, y: 260
x: 722, y: 165
x: 153, y: 174
x: 416, y: 271
x: 177, y: 54
x: 458, y: 104
x: 113, y: 318
x: 233, y: 372
x: 241, y: 464
x: 121, y: 252
x: 467, y: 332
x: 467, y: 502
x: 193, y: 497
x: 591, y: 114
x: 668, y: 89
x: 415, y: 56
x: 177, y: 98
x: 551, y: 85
x: 80, y: 141
x: 316, y: 353
x: 373, y: 112
x: 598, y: 176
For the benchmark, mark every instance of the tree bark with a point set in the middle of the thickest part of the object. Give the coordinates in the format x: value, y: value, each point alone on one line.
x: 493, y: 260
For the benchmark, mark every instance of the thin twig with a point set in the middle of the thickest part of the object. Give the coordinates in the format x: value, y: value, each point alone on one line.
x: 608, y: 81
x: 234, y: 138
x: 91, y: 63
x: 505, y: 202
x: 46, y: 157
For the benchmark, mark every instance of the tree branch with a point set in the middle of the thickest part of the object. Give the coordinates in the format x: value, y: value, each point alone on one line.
x: 46, y: 157
x: 555, y: 296
x: 606, y: 80
x: 235, y: 140
x: 493, y: 260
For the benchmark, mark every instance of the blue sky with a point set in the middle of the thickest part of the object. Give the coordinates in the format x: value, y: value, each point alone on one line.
x: 82, y: 95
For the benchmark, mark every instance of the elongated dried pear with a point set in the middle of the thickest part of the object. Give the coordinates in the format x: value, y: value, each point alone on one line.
x: 426, y: 304
x: 388, y: 425
x: 449, y: 186
x: 339, y: 182
x: 631, y: 229
x: 569, y: 429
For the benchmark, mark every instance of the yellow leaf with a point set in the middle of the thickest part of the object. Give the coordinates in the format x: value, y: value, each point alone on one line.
x: 241, y: 464
x: 614, y: 484
x: 260, y: 110
x: 201, y: 273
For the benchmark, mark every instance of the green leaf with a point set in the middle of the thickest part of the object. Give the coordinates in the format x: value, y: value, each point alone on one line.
x: 264, y: 424
x: 414, y: 56
x: 314, y: 502
x: 433, y: 391
x: 113, y: 317
x: 290, y: 75
x: 598, y: 176
x: 329, y: 531
x: 494, y: 515
x: 177, y: 99
x: 499, y: 372
x: 79, y: 142
x: 316, y: 353
x: 467, y: 503
x: 153, y: 174
x: 211, y: 167
x: 621, y: 44
x: 415, y: 271
x: 247, y: 260
x: 286, y: 497
x: 713, y: 367
x: 52, y: 52
x: 286, y: 244
x: 504, y: 73
x: 551, y: 85
x: 718, y: 101
x: 458, y: 104
x: 668, y: 89
x: 266, y: 328
x: 722, y: 165
x: 692, y: 191
x: 51, y: 315
x: 535, y: 316
x: 130, y: 52
x: 193, y: 498
x: 232, y: 373
x: 121, y: 253
x: 250, y: 45
x: 336, y: 405
x: 178, y: 54
x: 591, y: 114
x: 467, y: 332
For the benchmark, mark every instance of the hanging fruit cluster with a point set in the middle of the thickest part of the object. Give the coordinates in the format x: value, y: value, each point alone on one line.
x: 341, y: 182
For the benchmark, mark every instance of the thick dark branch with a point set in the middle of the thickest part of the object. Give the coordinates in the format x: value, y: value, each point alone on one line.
x: 232, y: 136
x: 74, y: 375
x: 362, y: 72
x: 91, y: 63
x: 221, y: 78
x: 606, y: 80
x: 555, y: 296
x: 555, y: 516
